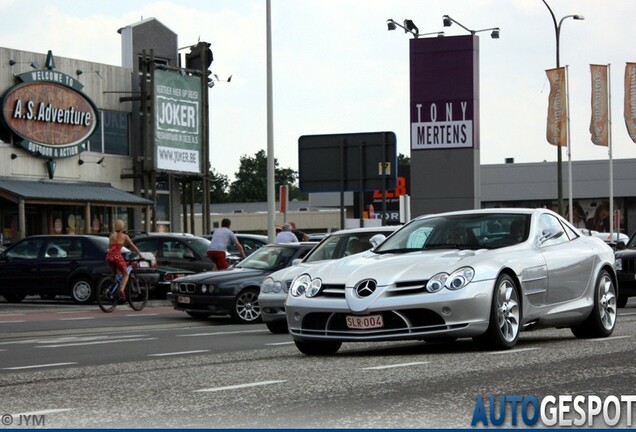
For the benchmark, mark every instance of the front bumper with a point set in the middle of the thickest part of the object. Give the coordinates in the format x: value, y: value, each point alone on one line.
x: 626, y: 283
x: 462, y: 313
x: 272, y: 306
x: 211, y: 304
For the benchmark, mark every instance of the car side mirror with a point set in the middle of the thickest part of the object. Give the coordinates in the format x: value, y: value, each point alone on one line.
x: 377, y: 239
x: 620, y: 245
x: 550, y: 233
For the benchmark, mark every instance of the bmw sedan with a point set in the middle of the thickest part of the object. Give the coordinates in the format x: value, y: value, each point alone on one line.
x: 235, y: 291
x: 484, y: 274
x: 334, y: 246
x: 52, y: 265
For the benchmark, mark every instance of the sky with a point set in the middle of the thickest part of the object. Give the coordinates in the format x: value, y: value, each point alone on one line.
x: 336, y: 68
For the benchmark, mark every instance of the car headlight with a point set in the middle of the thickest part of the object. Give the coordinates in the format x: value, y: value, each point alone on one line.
x: 314, y: 288
x: 437, y: 282
x: 300, y: 285
x: 618, y: 264
x: 267, y: 285
x: 460, y: 278
x: 207, y: 289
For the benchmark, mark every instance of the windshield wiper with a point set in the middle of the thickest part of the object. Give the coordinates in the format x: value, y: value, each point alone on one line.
x: 441, y: 246
x: 399, y: 250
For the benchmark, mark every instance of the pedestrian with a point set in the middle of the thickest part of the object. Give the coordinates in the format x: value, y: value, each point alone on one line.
x: 219, y: 243
x: 286, y: 235
x: 300, y: 235
x: 114, y: 258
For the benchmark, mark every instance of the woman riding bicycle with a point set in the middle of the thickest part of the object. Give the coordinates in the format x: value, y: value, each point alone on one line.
x: 114, y: 258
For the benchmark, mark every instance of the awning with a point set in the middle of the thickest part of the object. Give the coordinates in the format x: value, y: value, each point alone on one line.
x: 68, y: 193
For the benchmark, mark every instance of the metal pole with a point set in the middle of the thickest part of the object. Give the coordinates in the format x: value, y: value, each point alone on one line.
x: 567, y: 108
x: 271, y: 161
x: 609, y: 149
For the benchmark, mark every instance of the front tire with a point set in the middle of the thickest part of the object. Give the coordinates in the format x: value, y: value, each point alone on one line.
x: 318, y: 347
x: 82, y: 291
x: 106, y: 295
x: 505, y: 317
x: 602, y: 320
x: 246, y: 308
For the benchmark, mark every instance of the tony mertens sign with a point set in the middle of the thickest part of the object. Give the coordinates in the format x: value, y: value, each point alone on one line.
x: 178, y: 111
x: 48, y: 114
x: 442, y: 125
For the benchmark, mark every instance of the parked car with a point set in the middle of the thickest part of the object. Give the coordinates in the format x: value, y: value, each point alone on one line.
x: 250, y: 243
x: 334, y: 246
x: 454, y: 275
x: 617, y: 240
x: 181, y: 251
x: 626, y: 270
x: 234, y: 291
x: 52, y: 265
x: 167, y: 274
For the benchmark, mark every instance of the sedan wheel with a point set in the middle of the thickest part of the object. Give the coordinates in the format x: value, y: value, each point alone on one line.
x: 602, y: 319
x: 82, y: 291
x: 246, y: 308
x: 318, y: 347
x: 505, y: 316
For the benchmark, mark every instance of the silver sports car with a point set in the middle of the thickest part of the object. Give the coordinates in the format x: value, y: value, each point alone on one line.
x: 486, y: 274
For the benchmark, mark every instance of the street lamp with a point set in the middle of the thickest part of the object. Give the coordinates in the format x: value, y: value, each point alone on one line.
x: 448, y: 21
x: 409, y: 27
x: 557, y: 31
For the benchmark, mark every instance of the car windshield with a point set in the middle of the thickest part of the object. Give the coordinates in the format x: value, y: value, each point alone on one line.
x: 466, y: 231
x: 340, y: 245
x: 270, y: 257
x: 200, y: 245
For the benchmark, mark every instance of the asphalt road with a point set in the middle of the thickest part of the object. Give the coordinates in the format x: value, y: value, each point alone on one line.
x: 64, y: 366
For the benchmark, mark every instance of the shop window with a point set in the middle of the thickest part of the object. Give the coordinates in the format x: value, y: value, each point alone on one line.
x: 112, y: 137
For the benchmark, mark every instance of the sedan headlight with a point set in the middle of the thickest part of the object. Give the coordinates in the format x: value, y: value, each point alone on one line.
x: 267, y: 285
x: 618, y: 264
x: 456, y: 280
x: 300, y: 285
x: 207, y: 289
x: 314, y: 288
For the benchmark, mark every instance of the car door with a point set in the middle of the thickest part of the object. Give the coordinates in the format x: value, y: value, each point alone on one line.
x: 55, y: 267
x: 19, y: 268
x: 176, y: 253
x: 569, y: 262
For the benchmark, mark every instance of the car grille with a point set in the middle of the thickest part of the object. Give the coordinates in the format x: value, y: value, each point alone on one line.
x: 399, y: 289
x: 184, y: 288
x: 629, y: 265
x: 399, y: 322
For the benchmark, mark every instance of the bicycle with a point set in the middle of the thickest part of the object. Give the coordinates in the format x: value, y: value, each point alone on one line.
x: 108, y: 288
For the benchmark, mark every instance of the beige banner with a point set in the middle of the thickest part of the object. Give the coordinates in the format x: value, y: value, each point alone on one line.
x: 630, y: 100
x: 557, y: 109
x: 599, y: 123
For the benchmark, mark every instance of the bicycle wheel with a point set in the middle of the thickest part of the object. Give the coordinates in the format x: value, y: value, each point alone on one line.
x: 137, y: 292
x: 106, y: 294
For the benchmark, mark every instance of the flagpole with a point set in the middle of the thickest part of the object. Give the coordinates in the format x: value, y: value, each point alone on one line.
x: 567, y: 108
x: 609, y: 149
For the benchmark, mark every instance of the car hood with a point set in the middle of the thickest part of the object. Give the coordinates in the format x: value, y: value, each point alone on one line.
x: 217, y: 277
x: 388, y: 268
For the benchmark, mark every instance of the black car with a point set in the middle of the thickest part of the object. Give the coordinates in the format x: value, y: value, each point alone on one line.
x: 182, y: 251
x: 250, y: 243
x: 166, y: 275
x: 52, y: 265
x: 626, y: 270
x: 235, y: 291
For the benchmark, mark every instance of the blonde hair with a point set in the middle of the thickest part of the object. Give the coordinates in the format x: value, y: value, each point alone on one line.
x: 119, y: 225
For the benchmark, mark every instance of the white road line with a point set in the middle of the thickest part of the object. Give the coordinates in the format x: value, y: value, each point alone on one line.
x: 77, y: 318
x: 514, y: 351
x: 395, y: 366
x: 223, y: 333
x: 74, y: 311
x: 241, y: 386
x: 62, y: 345
x: 177, y: 353
x: 11, y: 322
x: 141, y: 314
x: 627, y: 313
x: 11, y: 314
x: 39, y: 366
x: 607, y: 339
x: 279, y: 343
x: 42, y: 412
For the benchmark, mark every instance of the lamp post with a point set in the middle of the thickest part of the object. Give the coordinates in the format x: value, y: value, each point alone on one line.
x: 448, y: 21
x: 557, y: 32
x: 409, y: 27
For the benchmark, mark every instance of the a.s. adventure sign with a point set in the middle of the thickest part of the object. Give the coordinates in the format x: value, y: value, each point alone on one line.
x: 48, y: 114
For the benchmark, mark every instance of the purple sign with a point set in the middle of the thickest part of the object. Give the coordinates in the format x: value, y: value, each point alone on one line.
x: 444, y: 92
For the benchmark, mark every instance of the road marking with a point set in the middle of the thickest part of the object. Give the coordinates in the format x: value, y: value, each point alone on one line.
x: 178, y: 353
x: 141, y: 314
x: 223, y: 333
x: 608, y: 339
x: 77, y: 318
x: 61, y: 340
x: 241, y: 386
x: 280, y: 343
x: 11, y: 322
x: 40, y: 366
x: 94, y: 343
x: 42, y: 412
x: 627, y: 313
x: 11, y: 314
x: 395, y: 366
x: 514, y: 351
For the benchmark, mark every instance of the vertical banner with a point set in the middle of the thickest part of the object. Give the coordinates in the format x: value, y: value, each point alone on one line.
x: 630, y: 100
x: 599, y: 123
x: 178, y: 112
x: 556, y: 133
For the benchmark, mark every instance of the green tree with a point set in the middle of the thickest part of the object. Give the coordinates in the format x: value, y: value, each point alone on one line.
x: 251, y: 179
x: 403, y: 160
x: 219, y: 185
